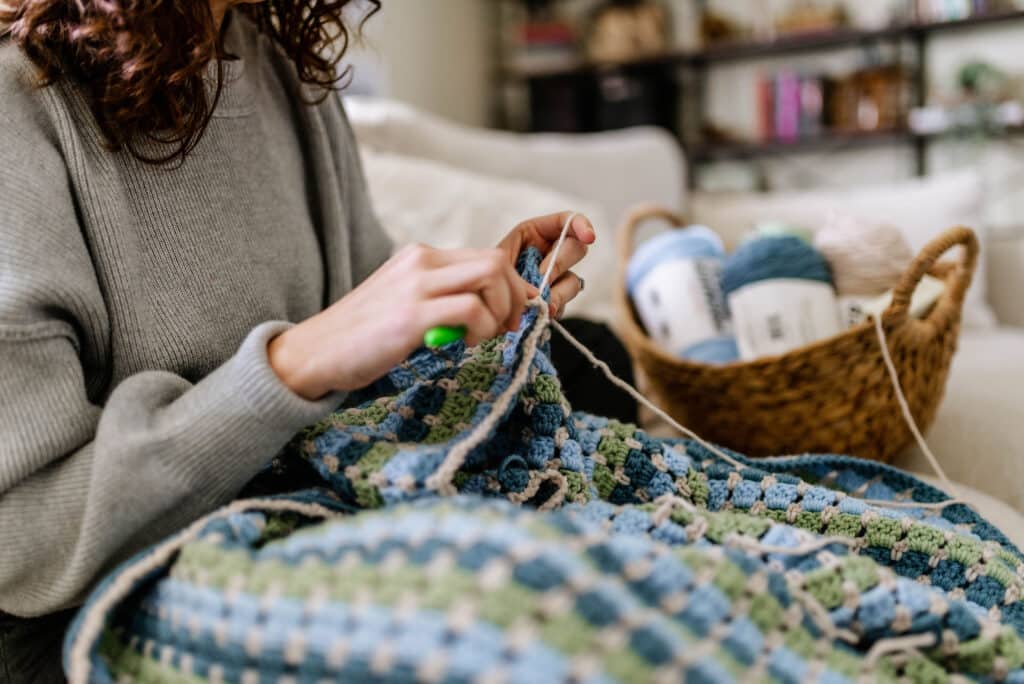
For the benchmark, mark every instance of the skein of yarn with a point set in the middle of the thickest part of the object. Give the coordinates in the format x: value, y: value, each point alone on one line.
x: 773, y: 258
x: 717, y: 350
x: 673, y: 280
x: 866, y: 258
x: 780, y: 293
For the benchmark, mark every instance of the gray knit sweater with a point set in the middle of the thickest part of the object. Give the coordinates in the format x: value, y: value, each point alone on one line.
x: 136, y: 303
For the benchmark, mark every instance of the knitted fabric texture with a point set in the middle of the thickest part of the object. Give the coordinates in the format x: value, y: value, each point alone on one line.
x: 576, y: 549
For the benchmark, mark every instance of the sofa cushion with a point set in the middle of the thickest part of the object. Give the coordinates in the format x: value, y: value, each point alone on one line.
x: 978, y: 435
x: 418, y: 200
x: 1006, y: 275
x: 615, y: 170
x: 920, y: 208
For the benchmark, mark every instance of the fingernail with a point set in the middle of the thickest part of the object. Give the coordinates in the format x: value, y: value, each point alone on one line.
x: 587, y: 228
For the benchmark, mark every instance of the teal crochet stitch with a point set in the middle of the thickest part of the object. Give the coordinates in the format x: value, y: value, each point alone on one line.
x: 577, y: 549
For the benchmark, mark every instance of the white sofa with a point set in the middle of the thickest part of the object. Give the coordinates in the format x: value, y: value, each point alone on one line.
x: 446, y: 184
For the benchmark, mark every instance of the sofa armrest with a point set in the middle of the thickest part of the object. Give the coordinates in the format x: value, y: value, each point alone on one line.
x: 615, y: 170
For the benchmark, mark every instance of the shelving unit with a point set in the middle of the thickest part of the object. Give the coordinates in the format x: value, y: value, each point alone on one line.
x: 723, y: 151
x: 811, y: 42
x: 846, y: 38
x: 823, y: 143
x: 689, y: 70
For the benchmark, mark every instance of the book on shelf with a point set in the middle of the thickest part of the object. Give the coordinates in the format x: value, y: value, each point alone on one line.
x: 791, y: 106
x: 541, y: 45
x: 787, y: 106
x: 794, y: 106
x: 766, y: 108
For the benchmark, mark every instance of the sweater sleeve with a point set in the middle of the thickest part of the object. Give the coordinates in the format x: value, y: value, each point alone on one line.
x: 89, y: 476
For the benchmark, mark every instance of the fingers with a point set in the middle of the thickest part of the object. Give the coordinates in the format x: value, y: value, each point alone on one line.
x: 490, y: 275
x: 564, y: 291
x: 528, y: 292
x: 572, y: 253
x: 425, y: 257
x: 427, y: 275
x: 542, y: 232
x: 461, y: 309
x: 549, y: 228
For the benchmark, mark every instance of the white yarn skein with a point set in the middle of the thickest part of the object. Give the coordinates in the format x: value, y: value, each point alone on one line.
x: 867, y: 258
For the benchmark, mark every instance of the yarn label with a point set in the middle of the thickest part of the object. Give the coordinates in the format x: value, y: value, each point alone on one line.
x: 680, y: 302
x: 776, y: 316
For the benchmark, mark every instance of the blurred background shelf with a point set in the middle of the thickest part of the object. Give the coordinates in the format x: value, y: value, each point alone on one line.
x: 569, y: 88
x: 827, y: 142
x: 786, y: 45
x: 830, y: 142
x: 842, y: 38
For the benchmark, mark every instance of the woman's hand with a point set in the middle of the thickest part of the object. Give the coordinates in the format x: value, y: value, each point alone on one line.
x: 543, y: 232
x: 377, y: 325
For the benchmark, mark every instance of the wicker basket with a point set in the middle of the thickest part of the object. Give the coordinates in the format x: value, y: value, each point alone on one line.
x: 833, y: 396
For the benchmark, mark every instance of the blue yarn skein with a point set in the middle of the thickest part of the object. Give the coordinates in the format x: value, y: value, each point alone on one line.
x: 774, y: 257
x: 696, y: 243
x: 717, y: 350
x: 693, y: 242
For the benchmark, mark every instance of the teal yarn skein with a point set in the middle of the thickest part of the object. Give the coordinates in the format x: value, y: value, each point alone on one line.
x: 772, y: 258
x: 781, y: 296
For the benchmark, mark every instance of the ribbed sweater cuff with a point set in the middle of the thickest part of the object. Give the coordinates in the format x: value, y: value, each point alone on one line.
x: 244, y: 414
x: 266, y: 394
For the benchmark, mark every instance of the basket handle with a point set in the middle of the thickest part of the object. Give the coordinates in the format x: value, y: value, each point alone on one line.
x: 956, y: 283
x: 627, y: 233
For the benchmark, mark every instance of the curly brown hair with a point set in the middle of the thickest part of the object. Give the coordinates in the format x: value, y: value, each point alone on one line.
x: 141, y: 63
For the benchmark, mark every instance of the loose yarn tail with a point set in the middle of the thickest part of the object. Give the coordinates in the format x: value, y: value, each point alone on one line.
x: 905, y: 408
x: 633, y: 392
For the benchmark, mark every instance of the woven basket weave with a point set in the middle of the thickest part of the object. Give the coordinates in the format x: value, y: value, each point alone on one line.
x: 833, y: 396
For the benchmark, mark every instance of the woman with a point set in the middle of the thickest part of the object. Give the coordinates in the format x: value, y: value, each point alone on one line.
x: 190, y: 273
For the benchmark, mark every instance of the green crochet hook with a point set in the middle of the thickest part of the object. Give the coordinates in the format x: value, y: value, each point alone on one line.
x: 443, y: 334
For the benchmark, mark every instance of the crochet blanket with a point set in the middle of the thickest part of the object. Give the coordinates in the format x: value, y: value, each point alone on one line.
x: 454, y: 536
